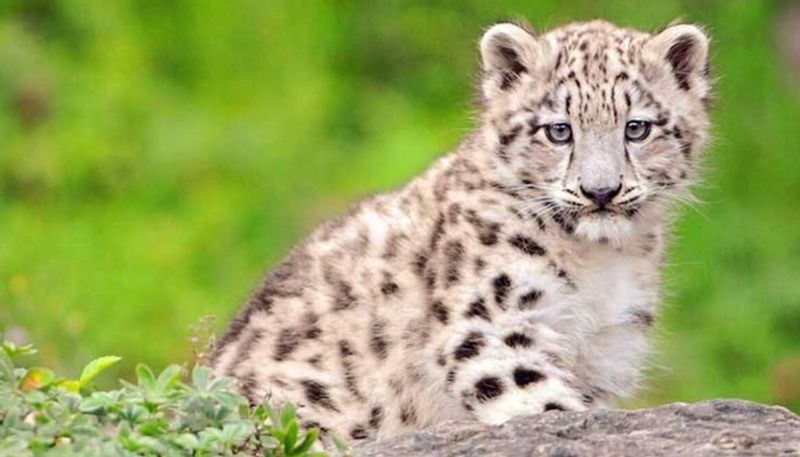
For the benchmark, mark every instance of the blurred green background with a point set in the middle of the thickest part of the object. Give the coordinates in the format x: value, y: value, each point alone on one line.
x: 157, y: 157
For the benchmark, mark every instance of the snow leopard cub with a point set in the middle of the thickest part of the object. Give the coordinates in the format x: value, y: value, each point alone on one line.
x: 520, y: 273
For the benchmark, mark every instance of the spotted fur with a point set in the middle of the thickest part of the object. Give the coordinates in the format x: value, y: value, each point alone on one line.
x: 493, y: 285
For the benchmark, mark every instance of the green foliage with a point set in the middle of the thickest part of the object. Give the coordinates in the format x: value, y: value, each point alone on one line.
x: 158, y: 415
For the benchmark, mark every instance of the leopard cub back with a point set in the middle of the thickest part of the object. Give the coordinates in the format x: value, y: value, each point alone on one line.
x: 520, y: 273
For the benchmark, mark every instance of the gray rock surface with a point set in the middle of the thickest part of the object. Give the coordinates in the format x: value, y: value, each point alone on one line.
x: 716, y: 427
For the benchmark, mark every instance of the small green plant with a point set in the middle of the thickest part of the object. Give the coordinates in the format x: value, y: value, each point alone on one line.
x: 160, y: 414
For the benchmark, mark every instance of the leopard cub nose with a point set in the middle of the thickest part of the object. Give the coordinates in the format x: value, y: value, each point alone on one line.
x: 601, y: 196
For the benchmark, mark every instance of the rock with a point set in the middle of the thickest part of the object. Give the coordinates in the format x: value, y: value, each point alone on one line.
x: 716, y: 427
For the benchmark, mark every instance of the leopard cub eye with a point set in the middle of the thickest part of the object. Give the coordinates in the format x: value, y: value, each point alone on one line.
x: 559, y: 133
x: 637, y: 130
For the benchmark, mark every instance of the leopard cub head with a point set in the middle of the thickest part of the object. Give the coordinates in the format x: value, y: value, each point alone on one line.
x: 596, y: 126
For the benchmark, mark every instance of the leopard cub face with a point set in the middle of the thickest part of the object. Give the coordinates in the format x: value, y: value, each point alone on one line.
x: 600, y: 126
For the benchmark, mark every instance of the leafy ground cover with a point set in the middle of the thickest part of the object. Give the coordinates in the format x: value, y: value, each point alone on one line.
x: 164, y: 414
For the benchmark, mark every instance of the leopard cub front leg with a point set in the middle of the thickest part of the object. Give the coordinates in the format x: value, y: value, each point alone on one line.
x: 503, y: 370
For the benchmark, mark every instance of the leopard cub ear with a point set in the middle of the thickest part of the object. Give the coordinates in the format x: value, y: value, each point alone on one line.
x: 685, y: 48
x: 507, y: 53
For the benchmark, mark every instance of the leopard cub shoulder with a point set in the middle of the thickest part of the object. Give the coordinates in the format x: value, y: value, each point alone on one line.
x: 520, y: 273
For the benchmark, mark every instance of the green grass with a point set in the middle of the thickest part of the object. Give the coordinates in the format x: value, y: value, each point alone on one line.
x: 157, y: 158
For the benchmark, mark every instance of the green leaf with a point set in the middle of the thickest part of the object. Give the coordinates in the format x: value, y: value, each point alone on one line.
x: 36, y: 378
x: 168, y: 377
x: 71, y: 385
x: 145, y: 377
x: 278, y: 434
x: 237, y: 432
x: 6, y: 367
x: 287, y: 415
x: 12, y: 350
x: 187, y: 441
x: 311, y: 437
x: 133, y: 413
x: 291, y: 437
x: 200, y: 376
x: 95, y: 367
x: 93, y: 405
x: 260, y: 413
x: 274, y: 419
x: 268, y: 442
x: 340, y: 444
x: 153, y: 427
